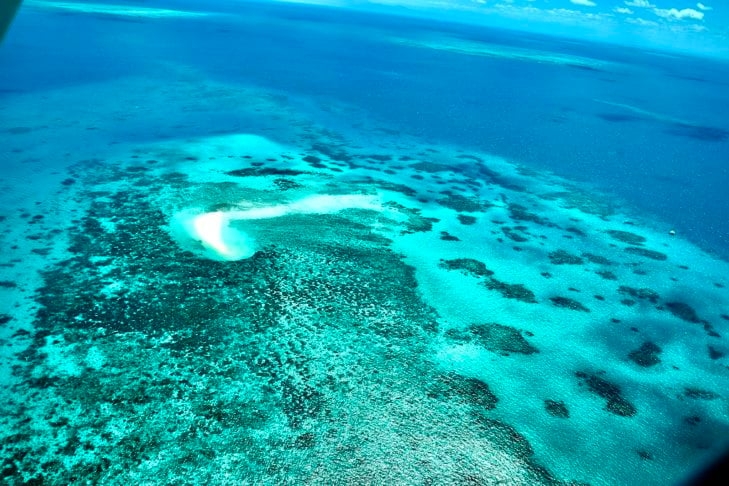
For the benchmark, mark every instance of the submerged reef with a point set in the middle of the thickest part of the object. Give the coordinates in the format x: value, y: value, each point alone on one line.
x: 462, y: 204
x: 645, y: 252
x: 598, y: 259
x: 641, y: 294
x: 695, y: 393
x: 607, y: 274
x: 683, y: 311
x: 513, y: 235
x: 615, y: 402
x: 627, y: 237
x: 646, y: 355
x: 556, y: 408
x: 416, y: 222
x: 563, y: 257
x: 248, y: 369
x: 468, y: 266
x: 581, y: 200
x: 568, y: 303
x: 264, y: 171
x: 511, y: 291
x: 469, y: 390
x: 494, y: 337
x: 518, y: 212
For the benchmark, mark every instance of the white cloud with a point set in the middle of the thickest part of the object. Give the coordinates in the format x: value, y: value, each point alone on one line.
x: 674, y: 13
x: 639, y: 3
x: 586, y: 3
x: 643, y: 22
x: 622, y: 10
x: 701, y: 6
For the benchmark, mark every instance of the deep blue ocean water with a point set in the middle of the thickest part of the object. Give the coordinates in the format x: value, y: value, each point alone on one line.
x: 538, y: 114
x: 86, y: 97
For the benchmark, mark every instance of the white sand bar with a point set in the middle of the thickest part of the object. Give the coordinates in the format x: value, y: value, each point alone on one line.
x: 214, y: 232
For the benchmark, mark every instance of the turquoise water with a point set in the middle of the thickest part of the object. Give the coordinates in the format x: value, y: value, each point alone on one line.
x: 254, y: 243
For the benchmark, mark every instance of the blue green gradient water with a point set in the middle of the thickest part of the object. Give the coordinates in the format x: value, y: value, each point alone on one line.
x: 294, y: 245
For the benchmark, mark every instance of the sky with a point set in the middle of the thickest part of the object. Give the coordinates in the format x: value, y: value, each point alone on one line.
x: 680, y: 25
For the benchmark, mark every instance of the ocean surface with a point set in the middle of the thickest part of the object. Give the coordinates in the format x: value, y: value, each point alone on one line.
x: 264, y: 243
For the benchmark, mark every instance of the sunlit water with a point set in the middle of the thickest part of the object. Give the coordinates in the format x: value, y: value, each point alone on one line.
x: 262, y: 244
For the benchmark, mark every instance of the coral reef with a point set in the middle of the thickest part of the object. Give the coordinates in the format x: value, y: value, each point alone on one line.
x: 567, y: 303
x: 695, y: 393
x: 641, y: 294
x: 646, y: 355
x: 627, y: 237
x: 469, y: 266
x: 683, y: 311
x: 645, y: 252
x: 615, y: 402
x: 597, y: 259
x: 563, y: 257
x: 494, y: 337
x: 462, y: 204
x: 556, y: 408
x: 465, y: 219
x: 466, y: 389
x: 511, y: 291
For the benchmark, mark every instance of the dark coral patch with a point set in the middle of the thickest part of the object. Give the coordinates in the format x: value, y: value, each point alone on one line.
x: 5, y: 318
x: 286, y: 184
x: 265, y: 171
x: 607, y: 275
x: 563, y: 257
x: 641, y: 294
x: 517, y: 212
x: 692, y: 420
x: 699, y: 132
x: 627, y: 237
x: 314, y: 161
x: 644, y: 455
x: 18, y: 130
x: 556, y: 408
x: 683, y: 311
x: 416, y: 222
x: 611, y: 392
x: 306, y: 440
x: 497, y: 337
x: 511, y: 291
x: 468, y: 266
x: 513, y: 235
x: 450, y: 386
x: 466, y: 219
x: 567, y: 303
x: 446, y: 236
x: 699, y: 394
x: 715, y: 353
x: 494, y: 337
x: 646, y: 355
x: 600, y: 260
x: 462, y: 203
x: 576, y: 231
x: 333, y: 151
x: 644, y: 252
